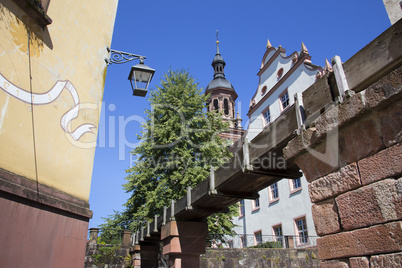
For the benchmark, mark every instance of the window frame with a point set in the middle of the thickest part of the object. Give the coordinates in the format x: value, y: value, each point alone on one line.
x: 274, y: 234
x: 216, y: 107
x: 226, y: 107
x: 273, y: 199
x: 284, y: 108
x: 292, y: 188
x: 301, y: 239
x: 259, y: 232
x: 264, y: 120
x: 243, y: 241
x: 254, y: 206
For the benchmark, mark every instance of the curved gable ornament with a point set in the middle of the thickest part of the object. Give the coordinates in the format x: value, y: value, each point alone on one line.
x: 49, y: 97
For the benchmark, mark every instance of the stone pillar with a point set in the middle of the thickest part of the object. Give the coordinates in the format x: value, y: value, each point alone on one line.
x: 351, y: 157
x: 126, y: 241
x: 136, y: 256
x: 183, y: 242
x: 93, y: 235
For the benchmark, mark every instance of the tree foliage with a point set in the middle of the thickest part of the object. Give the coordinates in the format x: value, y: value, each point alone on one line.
x: 179, y: 144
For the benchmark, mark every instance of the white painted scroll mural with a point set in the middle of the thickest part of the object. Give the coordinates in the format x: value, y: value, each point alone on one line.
x: 48, y: 97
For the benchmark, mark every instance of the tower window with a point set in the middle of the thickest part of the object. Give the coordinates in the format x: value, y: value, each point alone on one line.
x: 216, y: 105
x: 219, y: 69
x: 226, y: 106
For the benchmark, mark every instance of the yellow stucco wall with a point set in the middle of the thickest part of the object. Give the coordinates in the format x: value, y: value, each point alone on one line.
x: 67, y: 69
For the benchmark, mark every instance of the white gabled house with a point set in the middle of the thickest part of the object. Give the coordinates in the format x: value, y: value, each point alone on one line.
x: 283, y: 208
x: 280, y: 78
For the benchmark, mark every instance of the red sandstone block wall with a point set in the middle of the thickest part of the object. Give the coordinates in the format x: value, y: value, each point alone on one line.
x: 357, y: 202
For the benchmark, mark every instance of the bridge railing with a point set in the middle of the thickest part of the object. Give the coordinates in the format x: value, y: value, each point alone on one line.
x: 109, y: 236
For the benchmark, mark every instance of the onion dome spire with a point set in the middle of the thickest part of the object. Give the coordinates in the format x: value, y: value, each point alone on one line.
x: 218, y: 63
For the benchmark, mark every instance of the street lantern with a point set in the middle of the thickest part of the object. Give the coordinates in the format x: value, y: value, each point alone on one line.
x: 140, y: 76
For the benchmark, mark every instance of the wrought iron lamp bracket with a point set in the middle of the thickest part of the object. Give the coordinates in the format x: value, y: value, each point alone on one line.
x: 119, y: 57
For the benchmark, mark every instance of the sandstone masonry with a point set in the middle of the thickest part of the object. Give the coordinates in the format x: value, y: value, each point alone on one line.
x: 351, y: 156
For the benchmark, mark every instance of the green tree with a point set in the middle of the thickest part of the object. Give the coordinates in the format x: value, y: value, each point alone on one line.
x: 179, y: 145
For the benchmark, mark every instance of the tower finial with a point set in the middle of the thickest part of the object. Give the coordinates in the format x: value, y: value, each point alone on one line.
x: 304, y: 48
x: 328, y: 66
x: 217, y: 42
x: 238, y: 121
x: 268, y: 44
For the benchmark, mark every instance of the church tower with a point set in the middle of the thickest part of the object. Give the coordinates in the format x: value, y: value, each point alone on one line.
x: 222, y: 98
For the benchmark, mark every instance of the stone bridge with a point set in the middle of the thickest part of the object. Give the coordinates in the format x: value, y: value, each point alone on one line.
x: 344, y: 133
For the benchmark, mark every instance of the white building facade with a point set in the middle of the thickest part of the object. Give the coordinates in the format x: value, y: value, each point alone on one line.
x: 283, y: 208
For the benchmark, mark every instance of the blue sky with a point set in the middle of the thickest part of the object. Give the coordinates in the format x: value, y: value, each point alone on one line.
x: 182, y: 34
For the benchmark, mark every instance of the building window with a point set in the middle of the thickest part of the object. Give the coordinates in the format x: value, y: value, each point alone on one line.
x: 257, y: 237
x: 230, y: 243
x: 216, y: 105
x: 284, y: 100
x: 279, y: 73
x: 267, y: 116
x: 255, y: 204
x: 264, y: 90
x: 241, y: 208
x: 226, y: 106
x: 295, y: 185
x: 273, y: 192
x: 243, y: 240
x: 301, y: 228
x: 277, y: 229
